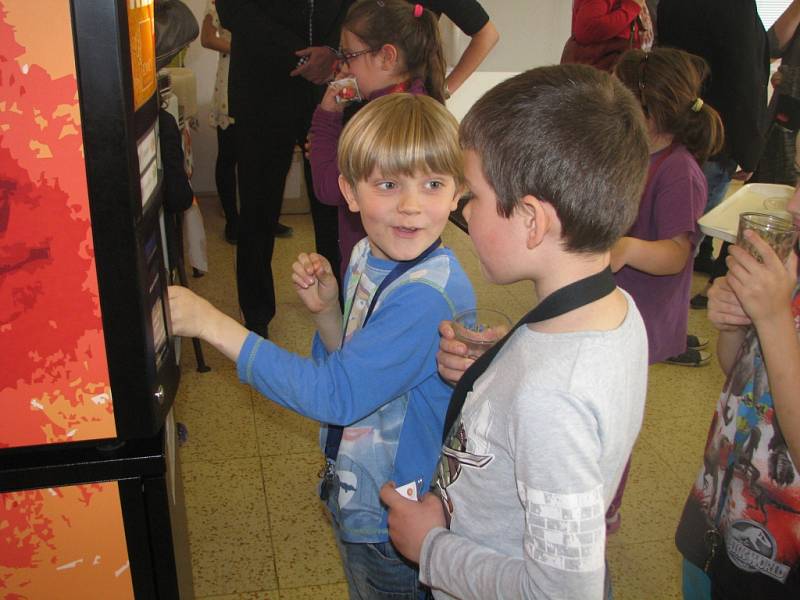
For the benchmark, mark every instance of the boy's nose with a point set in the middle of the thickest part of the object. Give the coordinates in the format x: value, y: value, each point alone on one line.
x: 409, y: 203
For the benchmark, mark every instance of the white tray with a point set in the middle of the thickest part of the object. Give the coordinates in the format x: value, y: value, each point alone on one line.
x: 723, y: 220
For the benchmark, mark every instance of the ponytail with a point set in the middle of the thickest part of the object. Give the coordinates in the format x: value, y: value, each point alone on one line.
x: 668, y: 83
x: 412, y: 29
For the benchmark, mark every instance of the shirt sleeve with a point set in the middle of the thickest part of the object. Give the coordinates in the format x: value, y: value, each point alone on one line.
x: 468, y: 15
x: 680, y: 200
x: 397, y: 348
x: 596, y: 21
x: 326, y: 127
x: 560, y: 487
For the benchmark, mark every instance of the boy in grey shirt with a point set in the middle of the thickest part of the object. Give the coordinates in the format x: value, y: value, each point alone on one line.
x: 540, y: 428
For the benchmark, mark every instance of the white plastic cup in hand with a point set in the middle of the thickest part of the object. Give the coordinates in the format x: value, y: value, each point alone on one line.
x: 479, y: 329
x: 779, y: 233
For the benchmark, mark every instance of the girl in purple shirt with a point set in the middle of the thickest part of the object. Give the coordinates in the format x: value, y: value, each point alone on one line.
x: 388, y: 46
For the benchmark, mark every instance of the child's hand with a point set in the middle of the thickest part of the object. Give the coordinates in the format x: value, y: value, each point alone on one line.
x: 763, y: 289
x: 329, y: 102
x: 451, y: 359
x: 188, y: 312
x: 410, y: 521
x: 619, y: 254
x: 724, y: 309
x: 315, y: 283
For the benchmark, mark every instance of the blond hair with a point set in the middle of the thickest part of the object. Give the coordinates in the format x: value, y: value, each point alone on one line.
x: 401, y: 134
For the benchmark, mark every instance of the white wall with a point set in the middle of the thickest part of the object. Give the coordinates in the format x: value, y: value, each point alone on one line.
x: 532, y: 33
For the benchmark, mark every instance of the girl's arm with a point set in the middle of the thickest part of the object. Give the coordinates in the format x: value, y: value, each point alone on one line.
x: 326, y: 127
x: 210, y: 38
x: 661, y: 257
x: 765, y: 291
x: 595, y: 22
x: 479, y: 47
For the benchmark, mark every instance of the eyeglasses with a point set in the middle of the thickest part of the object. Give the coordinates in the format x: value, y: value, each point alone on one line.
x: 345, y: 57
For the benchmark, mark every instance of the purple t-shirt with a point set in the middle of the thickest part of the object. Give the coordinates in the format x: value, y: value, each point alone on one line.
x: 326, y: 127
x: 672, y: 202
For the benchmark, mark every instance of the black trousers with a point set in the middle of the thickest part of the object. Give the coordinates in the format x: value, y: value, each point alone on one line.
x: 265, y: 142
x: 225, y: 173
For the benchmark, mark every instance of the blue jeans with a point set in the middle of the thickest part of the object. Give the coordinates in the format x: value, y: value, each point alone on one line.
x: 696, y: 584
x: 718, y: 177
x: 378, y: 572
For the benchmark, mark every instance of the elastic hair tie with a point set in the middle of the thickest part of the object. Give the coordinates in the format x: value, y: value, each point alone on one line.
x: 697, y: 105
x: 418, y: 8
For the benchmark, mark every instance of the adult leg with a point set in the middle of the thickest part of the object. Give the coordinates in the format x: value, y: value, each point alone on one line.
x: 264, y: 155
x: 225, y: 175
x: 718, y: 178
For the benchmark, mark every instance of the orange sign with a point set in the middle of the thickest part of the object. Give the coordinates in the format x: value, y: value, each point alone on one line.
x: 142, y: 33
x: 54, y: 382
x: 64, y: 542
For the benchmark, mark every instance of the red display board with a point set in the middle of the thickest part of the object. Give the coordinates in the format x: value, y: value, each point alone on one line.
x: 54, y: 380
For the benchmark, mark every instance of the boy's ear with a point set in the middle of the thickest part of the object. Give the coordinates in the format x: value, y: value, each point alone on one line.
x: 349, y: 194
x: 536, y: 220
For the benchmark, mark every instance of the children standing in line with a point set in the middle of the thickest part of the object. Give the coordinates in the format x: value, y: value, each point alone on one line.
x: 388, y: 46
x: 555, y: 160
x: 373, y: 368
x: 740, y: 529
x: 653, y: 262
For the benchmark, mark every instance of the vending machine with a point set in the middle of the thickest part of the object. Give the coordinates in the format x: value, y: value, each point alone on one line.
x: 90, y: 499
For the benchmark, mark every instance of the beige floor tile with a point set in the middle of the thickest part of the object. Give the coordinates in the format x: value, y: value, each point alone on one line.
x: 281, y: 431
x: 336, y: 591
x: 305, y: 549
x: 649, y: 571
x: 228, y: 527
x: 652, y: 502
x: 218, y: 413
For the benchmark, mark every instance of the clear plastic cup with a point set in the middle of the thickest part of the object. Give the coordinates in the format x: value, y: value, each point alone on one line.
x: 479, y: 329
x: 779, y: 233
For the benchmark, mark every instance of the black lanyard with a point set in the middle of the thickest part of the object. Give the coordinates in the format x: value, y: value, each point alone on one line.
x: 334, y: 438
x: 566, y: 299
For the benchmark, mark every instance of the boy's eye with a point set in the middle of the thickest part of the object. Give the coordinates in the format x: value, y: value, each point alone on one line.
x: 435, y: 184
x: 386, y: 185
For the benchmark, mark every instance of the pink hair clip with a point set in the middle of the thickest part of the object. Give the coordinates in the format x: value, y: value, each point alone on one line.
x: 418, y: 10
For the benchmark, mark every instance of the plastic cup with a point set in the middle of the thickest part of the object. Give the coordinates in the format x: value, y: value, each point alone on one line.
x: 480, y: 328
x: 779, y: 233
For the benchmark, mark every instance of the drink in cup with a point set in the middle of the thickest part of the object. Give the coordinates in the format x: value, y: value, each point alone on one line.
x: 779, y: 233
x: 480, y: 328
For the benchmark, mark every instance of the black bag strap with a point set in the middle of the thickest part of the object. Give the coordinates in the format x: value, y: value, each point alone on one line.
x: 334, y: 438
x: 566, y: 299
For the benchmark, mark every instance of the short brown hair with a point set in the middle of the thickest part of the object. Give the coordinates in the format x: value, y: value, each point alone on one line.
x: 570, y: 135
x: 401, y: 133
x: 668, y: 83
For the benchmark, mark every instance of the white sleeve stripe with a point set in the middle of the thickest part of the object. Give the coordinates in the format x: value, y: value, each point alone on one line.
x: 566, y: 531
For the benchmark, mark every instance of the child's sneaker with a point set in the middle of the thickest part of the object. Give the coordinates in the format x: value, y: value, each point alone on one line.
x: 690, y: 358
x: 695, y: 342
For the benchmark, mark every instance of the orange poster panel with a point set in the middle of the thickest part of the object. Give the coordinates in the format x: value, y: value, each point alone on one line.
x: 64, y: 542
x: 142, y: 33
x: 54, y: 382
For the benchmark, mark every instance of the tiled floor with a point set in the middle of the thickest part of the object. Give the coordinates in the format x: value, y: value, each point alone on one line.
x: 256, y: 528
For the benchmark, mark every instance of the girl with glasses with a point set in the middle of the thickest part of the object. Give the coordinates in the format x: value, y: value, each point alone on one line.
x: 387, y: 46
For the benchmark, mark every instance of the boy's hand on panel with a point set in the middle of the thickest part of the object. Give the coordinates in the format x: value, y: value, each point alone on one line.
x: 410, y: 521
x: 315, y: 283
x: 188, y: 312
x: 763, y: 289
x: 451, y: 358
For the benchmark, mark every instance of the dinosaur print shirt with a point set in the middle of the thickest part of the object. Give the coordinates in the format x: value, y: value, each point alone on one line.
x: 741, y: 522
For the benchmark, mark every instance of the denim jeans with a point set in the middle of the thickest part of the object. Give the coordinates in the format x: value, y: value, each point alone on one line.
x: 378, y: 572
x: 718, y: 177
x: 696, y: 584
